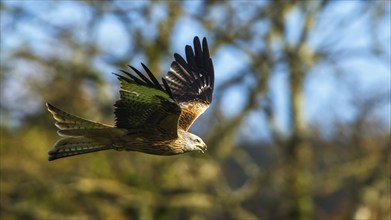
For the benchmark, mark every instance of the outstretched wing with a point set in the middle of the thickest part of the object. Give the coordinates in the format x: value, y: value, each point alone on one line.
x: 192, y: 82
x: 145, y: 105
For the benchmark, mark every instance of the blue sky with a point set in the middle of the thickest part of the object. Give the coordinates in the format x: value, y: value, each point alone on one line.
x: 328, y: 94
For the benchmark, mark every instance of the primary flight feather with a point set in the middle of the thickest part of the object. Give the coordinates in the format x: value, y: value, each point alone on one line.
x: 151, y: 117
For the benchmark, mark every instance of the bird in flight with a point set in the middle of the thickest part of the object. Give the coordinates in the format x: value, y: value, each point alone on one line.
x: 151, y: 117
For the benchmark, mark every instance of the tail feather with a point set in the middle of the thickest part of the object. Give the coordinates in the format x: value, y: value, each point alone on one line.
x: 82, y: 136
x: 66, y: 121
x: 71, y: 146
x: 93, y: 132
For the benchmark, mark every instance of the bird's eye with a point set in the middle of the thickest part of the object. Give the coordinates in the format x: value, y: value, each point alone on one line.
x: 198, y: 141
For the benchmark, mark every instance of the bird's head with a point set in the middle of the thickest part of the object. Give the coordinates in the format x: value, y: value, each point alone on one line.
x: 194, y: 143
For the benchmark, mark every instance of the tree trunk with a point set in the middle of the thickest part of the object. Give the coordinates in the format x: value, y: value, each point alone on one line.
x: 298, y: 154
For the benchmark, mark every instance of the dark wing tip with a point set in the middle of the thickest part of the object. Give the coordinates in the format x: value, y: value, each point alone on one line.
x: 149, y: 81
x: 168, y: 89
x: 152, y: 77
x: 124, y: 78
x: 144, y: 78
x: 192, y: 79
x: 196, y: 42
x: 205, y: 45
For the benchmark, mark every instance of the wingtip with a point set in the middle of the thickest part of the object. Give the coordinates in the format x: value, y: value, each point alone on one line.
x: 205, y: 47
x: 196, y: 41
x: 167, y: 88
x: 196, y: 38
x: 204, y: 40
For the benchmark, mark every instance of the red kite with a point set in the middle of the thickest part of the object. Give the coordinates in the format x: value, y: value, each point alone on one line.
x: 151, y: 117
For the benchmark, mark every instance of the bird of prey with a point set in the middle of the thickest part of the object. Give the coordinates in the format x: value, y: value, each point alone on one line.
x: 151, y: 117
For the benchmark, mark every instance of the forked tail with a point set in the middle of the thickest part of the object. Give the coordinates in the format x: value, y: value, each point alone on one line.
x: 81, y: 135
x: 71, y: 146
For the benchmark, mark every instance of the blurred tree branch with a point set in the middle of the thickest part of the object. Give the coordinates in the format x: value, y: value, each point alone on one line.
x: 296, y: 174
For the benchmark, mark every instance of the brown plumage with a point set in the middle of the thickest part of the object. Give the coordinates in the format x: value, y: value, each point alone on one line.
x: 192, y: 82
x: 151, y: 117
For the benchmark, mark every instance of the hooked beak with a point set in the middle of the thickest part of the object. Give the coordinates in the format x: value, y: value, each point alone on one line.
x: 202, y: 148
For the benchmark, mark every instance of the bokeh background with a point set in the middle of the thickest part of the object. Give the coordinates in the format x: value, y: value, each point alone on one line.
x: 299, y: 127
